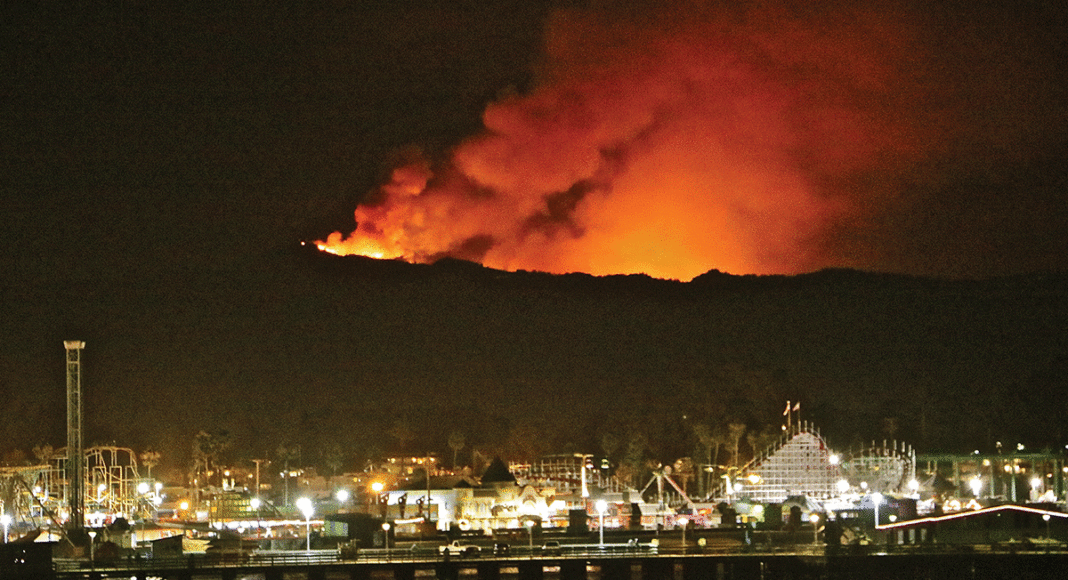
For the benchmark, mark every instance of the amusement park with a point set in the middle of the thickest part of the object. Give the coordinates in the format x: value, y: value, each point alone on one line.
x: 102, y: 504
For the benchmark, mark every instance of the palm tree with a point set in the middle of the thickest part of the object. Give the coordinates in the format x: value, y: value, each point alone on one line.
x: 760, y: 441
x: 206, y: 449
x: 456, y: 443
x: 609, y: 444
x: 684, y: 470
x: 705, y: 441
x: 333, y: 458
x: 735, y: 432
x: 150, y: 459
x: 285, y: 454
x: 402, y: 432
x: 43, y: 453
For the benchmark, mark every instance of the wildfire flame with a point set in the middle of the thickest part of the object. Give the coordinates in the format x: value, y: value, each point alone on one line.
x: 667, y: 143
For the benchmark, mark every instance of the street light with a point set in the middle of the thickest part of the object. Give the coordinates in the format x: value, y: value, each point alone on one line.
x: 530, y: 530
x: 6, y: 521
x: 376, y: 487
x: 255, y: 503
x: 92, y: 546
x: 684, y: 522
x: 602, y: 505
x: 1045, y: 517
x: 385, y: 528
x: 305, y: 505
x: 142, y: 503
x: 877, y: 498
x: 815, y: 519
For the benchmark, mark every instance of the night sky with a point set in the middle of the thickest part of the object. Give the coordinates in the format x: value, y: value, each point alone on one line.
x: 161, y: 166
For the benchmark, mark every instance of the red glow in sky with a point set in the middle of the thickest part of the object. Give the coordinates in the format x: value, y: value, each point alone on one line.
x: 673, y: 141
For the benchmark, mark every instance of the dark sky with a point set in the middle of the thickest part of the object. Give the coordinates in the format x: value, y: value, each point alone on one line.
x: 159, y: 163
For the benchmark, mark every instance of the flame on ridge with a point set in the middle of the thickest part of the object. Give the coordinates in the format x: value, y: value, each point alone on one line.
x: 667, y: 141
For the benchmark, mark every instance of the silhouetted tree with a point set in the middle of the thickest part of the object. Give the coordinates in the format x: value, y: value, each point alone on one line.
x: 736, y: 431
x: 759, y: 441
x: 14, y: 457
x: 705, y: 440
x: 402, y: 432
x: 634, y: 461
x: 206, y: 449
x: 333, y: 459
x: 43, y: 453
x: 285, y: 454
x: 456, y: 443
x: 525, y: 442
x: 609, y: 443
x: 149, y: 459
x: 684, y: 472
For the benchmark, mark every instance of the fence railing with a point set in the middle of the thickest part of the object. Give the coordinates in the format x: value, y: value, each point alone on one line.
x: 266, y: 559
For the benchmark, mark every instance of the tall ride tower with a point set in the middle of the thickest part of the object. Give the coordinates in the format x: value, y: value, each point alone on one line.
x: 75, y: 452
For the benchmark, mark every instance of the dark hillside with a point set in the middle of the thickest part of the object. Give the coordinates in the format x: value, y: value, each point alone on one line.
x: 370, y: 356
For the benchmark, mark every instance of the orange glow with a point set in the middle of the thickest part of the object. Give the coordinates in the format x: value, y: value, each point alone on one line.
x: 670, y: 149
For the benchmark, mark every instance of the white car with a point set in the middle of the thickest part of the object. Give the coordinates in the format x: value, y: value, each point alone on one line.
x: 459, y: 548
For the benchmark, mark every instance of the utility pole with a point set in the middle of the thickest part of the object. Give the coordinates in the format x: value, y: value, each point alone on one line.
x: 427, y: 466
x: 257, y: 462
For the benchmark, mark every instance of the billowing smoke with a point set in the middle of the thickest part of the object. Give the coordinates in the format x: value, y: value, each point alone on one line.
x: 674, y: 140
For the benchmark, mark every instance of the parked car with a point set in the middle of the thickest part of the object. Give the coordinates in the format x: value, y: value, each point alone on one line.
x: 460, y: 548
x: 551, y: 548
x: 348, y: 550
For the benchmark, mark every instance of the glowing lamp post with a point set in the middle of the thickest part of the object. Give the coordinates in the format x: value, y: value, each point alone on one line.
x: 877, y: 498
x: 6, y: 521
x: 602, y: 506
x: 305, y: 506
x: 815, y: 519
x: 684, y: 522
x: 385, y: 530
x: 92, y: 546
x: 842, y: 486
x: 342, y: 495
x: 376, y: 487
x: 142, y: 490
x: 1045, y: 518
x: 530, y: 530
x: 255, y: 503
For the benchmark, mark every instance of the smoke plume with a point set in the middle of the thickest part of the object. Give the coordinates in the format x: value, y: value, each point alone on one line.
x: 672, y: 140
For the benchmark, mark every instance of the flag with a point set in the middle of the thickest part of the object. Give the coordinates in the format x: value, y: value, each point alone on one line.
x: 787, y: 411
x: 797, y: 406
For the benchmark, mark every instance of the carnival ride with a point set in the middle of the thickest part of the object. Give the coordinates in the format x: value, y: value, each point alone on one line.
x: 36, y: 497
x: 801, y: 464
